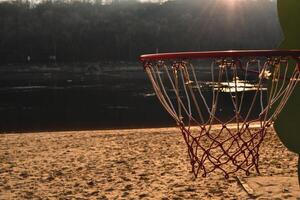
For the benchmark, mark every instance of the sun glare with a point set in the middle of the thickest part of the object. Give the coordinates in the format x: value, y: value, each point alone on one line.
x: 231, y: 2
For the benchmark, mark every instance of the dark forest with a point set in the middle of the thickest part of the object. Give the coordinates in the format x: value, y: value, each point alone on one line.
x: 77, y: 31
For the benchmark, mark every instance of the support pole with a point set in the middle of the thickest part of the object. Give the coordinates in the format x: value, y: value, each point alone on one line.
x: 299, y: 169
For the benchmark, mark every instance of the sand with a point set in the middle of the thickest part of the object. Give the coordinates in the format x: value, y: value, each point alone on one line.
x: 130, y: 164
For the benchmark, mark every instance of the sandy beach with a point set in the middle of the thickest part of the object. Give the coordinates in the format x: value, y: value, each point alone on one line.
x: 131, y: 164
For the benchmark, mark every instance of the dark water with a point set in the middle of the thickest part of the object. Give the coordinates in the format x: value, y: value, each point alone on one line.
x: 68, y: 100
x: 52, y: 99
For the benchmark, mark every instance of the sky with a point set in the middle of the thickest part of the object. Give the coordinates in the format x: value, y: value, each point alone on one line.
x: 104, y: 0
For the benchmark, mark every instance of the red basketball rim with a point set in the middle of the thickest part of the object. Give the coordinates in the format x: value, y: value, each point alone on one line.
x: 295, y: 53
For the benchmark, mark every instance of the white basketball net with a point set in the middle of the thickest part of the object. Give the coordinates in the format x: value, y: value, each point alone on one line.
x: 241, y: 91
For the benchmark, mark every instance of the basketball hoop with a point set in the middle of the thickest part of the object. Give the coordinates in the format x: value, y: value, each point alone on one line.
x: 236, y: 89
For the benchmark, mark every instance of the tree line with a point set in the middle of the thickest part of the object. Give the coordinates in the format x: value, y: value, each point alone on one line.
x: 75, y: 31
